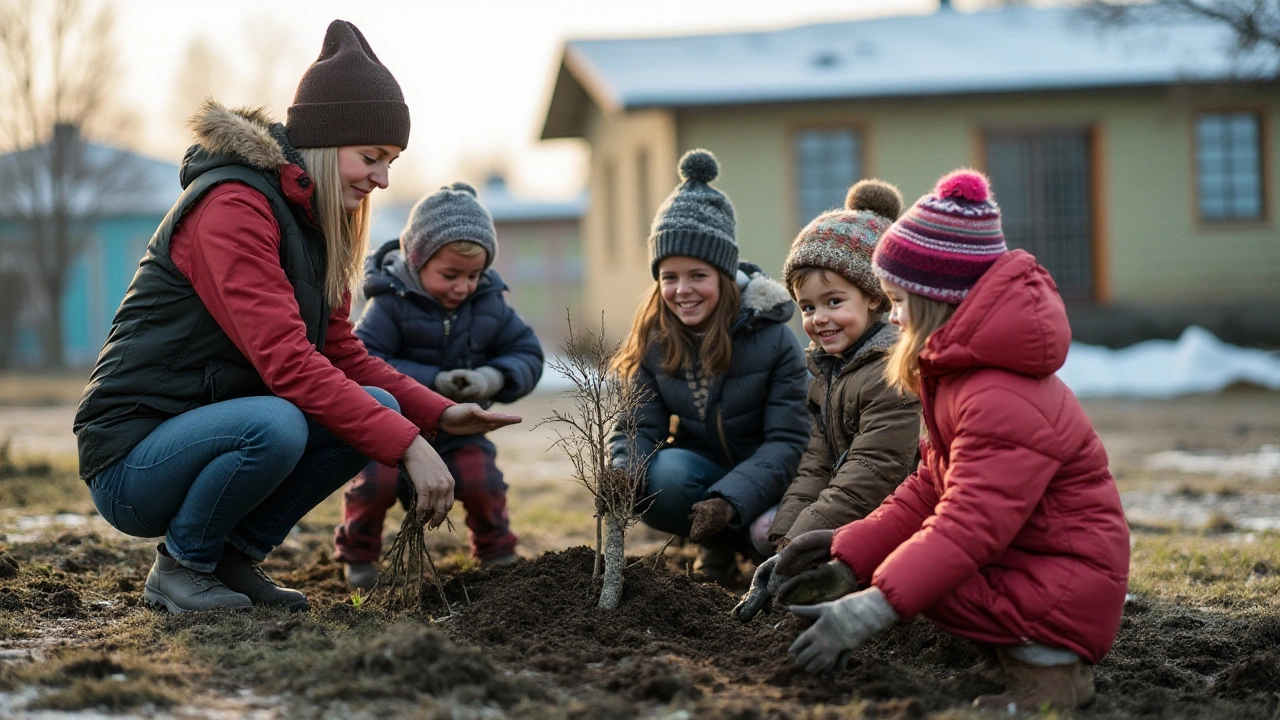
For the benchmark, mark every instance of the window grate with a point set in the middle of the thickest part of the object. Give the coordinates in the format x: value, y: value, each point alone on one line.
x: 1042, y: 183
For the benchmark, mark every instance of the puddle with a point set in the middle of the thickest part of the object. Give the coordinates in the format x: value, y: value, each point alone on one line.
x: 1262, y: 465
x: 241, y: 705
x: 29, y: 528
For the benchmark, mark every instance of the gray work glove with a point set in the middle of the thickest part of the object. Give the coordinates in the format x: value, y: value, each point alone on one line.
x: 764, y: 584
x: 842, y: 626
x: 828, y: 581
x: 479, y: 384
x: 469, y: 385
x: 806, y: 552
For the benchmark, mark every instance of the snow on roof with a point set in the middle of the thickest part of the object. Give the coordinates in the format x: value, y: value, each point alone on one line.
x: 133, y: 184
x: 1015, y: 48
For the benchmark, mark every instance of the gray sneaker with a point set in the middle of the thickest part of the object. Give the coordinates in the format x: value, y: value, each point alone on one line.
x: 242, y: 574
x: 180, y: 589
x: 361, y: 575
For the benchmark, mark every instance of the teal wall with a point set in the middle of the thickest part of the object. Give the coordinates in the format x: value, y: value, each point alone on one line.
x: 96, y: 283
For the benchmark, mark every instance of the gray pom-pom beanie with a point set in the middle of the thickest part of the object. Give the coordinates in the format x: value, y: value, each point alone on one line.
x: 696, y: 220
x: 450, y: 214
x: 843, y: 240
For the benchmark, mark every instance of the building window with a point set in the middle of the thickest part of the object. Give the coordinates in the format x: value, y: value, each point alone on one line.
x: 1042, y: 182
x: 827, y: 162
x: 1229, y: 166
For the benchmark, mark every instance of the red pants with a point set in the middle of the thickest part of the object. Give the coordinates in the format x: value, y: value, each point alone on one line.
x: 478, y: 485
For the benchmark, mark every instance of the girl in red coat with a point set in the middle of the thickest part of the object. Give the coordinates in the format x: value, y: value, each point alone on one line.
x: 1011, y: 532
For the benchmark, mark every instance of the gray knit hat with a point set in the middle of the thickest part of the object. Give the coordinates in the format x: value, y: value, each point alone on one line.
x: 843, y: 240
x: 696, y: 220
x: 450, y: 214
x: 347, y: 97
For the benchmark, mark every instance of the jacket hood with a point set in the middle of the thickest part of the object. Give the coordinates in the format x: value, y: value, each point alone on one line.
x: 243, y: 136
x: 385, y: 271
x: 879, y: 343
x: 763, y: 298
x: 1012, y: 319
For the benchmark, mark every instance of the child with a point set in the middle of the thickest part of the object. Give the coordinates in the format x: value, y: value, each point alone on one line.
x: 436, y: 312
x: 710, y: 346
x: 864, y: 436
x: 1011, y: 531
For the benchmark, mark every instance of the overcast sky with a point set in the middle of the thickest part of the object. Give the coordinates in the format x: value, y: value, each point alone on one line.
x: 475, y: 73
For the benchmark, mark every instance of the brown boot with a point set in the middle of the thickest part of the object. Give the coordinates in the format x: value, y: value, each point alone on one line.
x: 719, y: 565
x: 988, y: 666
x: 1032, y: 687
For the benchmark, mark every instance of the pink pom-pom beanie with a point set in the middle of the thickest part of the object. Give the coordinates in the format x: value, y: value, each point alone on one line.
x: 945, y: 241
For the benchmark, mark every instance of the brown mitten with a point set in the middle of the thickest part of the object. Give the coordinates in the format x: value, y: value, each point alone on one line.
x: 709, y: 517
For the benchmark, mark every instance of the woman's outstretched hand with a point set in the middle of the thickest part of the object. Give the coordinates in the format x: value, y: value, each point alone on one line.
x: 470, y: 419
x: 431, y: 479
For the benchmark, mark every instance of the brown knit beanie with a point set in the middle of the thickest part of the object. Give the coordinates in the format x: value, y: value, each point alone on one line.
x: 347, y: 97
x: 843, y: 240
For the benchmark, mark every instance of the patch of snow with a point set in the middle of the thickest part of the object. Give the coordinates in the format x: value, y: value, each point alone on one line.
x: 1197, y: 362
x: 1262, y: 465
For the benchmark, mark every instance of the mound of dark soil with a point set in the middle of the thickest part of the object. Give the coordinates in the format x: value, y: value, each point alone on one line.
x: 673, y: 640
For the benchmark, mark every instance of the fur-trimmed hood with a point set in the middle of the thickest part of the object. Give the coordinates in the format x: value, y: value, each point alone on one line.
x: 241, y: 136
x: 763, y: 298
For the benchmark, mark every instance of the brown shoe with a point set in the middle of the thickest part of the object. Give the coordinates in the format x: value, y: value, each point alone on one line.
x: 1033, y: 687
x: 718, y: 565
x: 988, y: 666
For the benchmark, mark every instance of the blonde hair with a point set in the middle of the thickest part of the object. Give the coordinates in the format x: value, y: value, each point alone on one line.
x: 654, y: 322
x: 346, y: 234
x: 466, y: 248
x: 924, y: 317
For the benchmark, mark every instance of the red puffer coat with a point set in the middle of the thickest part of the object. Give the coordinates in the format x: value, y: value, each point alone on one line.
x: 1011, y: 530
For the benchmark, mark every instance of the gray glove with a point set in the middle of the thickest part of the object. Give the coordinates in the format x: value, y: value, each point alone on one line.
x: 764, y: 584
x: 469, y: 385
x: 842, y: 626
x: 828, y: 581
x: 479, y: 384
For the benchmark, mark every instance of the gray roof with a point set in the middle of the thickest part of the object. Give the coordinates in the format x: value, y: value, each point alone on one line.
x: 389, y: 219
x: 121, y: 182
x: 1016, y: 48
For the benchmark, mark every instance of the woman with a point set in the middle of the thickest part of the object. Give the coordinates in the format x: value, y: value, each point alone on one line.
x: 231, y: 396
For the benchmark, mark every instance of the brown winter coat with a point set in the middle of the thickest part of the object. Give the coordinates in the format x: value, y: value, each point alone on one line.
x: 863, y: 442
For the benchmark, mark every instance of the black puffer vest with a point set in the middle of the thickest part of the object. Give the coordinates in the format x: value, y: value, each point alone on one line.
x: 165, y: 354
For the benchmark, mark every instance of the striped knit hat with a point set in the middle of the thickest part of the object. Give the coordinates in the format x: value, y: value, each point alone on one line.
x: 842, y: 240
x: 945, y: 241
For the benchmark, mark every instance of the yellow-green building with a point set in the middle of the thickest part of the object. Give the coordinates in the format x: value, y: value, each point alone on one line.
x: 1137, y: 163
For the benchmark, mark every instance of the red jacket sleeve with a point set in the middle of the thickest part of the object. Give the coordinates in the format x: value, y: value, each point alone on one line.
x: 228, y: 246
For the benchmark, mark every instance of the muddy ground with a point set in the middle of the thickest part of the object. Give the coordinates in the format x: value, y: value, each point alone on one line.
x: 1200, y: 637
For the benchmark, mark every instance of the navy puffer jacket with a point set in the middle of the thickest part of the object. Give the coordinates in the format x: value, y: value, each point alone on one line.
x: 416, y: 334
x: 756, y: 421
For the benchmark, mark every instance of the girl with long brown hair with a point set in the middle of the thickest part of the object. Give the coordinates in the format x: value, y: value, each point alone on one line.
x: 710, y: 347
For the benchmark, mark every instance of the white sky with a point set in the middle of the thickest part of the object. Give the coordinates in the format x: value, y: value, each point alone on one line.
x: 476, y: 74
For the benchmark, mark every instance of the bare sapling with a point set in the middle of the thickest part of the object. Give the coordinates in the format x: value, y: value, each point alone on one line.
x: 602, y: 404
x: 402, y: 579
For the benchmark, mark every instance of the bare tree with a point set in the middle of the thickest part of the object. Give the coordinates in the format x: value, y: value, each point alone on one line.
x: 1254, y: 24
x: 602, y: 404
x: 57, y: 66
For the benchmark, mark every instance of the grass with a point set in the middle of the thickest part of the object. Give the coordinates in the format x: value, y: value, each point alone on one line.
x: 1222, y: 571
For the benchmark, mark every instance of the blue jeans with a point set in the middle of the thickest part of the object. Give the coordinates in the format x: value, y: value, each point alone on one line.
x: 241, y: 472
x: 677, y: 479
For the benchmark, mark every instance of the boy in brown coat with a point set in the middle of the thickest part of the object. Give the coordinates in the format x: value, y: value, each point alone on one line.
x: 864, y: 436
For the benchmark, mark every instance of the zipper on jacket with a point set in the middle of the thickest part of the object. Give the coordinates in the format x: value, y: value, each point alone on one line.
x: 724, y: 443
x: 448, y: 321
